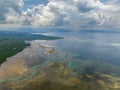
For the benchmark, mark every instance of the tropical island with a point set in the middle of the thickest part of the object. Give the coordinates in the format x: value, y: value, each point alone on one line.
x: 12, y: 42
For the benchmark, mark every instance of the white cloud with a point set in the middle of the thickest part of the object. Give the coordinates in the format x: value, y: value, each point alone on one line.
x: 68, y: 13
x: 9, y: 5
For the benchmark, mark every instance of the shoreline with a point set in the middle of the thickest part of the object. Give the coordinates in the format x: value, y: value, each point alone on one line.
x: 13, y: 52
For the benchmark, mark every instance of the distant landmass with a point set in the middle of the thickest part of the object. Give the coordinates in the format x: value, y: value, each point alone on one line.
x: 12, y: 42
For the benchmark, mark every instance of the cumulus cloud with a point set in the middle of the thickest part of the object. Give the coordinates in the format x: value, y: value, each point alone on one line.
x: 6, y: 6
x: 67, y: 13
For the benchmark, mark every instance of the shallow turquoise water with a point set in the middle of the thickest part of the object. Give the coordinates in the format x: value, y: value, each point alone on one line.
x: 82, y: 52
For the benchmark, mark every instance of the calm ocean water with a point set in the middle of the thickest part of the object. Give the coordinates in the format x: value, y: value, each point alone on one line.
x: 90, y: 56
x: 90, y: 44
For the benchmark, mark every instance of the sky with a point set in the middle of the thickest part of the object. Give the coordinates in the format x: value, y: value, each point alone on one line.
x: 73, y: 14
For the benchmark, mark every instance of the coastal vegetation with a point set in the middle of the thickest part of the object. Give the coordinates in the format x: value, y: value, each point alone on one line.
x: 10, y: 46
x: 12, y: 42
